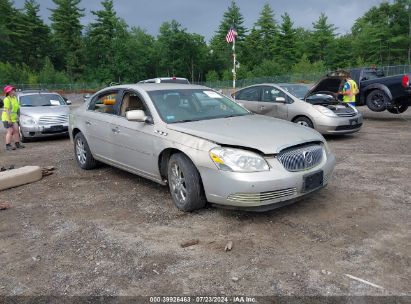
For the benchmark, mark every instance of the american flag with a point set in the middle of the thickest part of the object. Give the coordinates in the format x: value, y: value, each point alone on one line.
x: 230, y: 37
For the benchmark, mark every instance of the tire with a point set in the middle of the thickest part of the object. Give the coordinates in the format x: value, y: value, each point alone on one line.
x: 377, y: 101
x: 82, y: 153
x: 304, y: 121
x: 398, y: 109
x: 185, y: 183
x: 23, y: 138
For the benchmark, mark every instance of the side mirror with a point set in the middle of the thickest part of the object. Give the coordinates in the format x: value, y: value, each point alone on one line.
x: 136, y: 115
x: 280, y: 99
x: 68, y: 101
x: 86, y: 97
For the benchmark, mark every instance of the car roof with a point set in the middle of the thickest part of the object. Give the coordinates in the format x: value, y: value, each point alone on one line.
x: 33, y: 92
x: 159, y: 86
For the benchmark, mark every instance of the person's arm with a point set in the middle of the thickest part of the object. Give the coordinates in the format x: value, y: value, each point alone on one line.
x: 7, y: 108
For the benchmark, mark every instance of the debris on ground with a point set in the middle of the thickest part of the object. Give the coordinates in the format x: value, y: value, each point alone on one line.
x: 189, y: 243
x: 364, y: 281
x: 48, y: 170
x: 234, y: 279
x: 228, y: 246
x: 4, y: 206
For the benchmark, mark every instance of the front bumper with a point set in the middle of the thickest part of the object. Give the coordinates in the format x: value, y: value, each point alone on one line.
x: 261, y: 190
x: 44, y: 130
x: 338, y: 125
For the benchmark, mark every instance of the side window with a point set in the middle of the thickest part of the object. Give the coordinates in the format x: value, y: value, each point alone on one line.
x: 104, y: 103
x: 251, y: 94
x: 131, y: 101
x: 270, y: 94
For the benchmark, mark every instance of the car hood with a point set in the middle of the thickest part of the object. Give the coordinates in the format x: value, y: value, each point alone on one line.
x: 45, y: 111
x: 330, y: 83
x: 266, y: 134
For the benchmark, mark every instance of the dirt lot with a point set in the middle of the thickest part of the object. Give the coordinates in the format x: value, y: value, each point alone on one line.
x: 107, y: 232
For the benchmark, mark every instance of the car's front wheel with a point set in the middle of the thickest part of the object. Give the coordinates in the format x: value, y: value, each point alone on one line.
x: 82, y: 152
x: 185, y: 183
x: 23, y: 139
x: 304, y: 121
x: 377, y: 101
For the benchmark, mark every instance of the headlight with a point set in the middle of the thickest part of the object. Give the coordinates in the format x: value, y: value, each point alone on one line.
x: 354, y: 108
x: 325, y: 111
x: 27, y: 120
x: 229, y: 159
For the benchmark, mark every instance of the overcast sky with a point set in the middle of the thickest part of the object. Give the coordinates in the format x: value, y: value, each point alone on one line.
x: 204, y: 16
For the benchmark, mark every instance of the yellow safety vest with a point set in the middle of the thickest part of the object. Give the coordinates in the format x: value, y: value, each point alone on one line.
x: 353, y: 89
x: 11, y: 104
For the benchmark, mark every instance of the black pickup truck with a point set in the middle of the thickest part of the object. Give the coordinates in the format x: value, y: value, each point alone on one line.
x: 379, y: 93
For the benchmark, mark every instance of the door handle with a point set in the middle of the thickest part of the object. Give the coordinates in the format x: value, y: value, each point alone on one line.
x: 262, y: 107
x: 115, y: 130
x: 88, y: 123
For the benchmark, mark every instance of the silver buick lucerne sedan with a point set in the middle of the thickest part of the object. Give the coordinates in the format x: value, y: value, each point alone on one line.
x: 203, y: 144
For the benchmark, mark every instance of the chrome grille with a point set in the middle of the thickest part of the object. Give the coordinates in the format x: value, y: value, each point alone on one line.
x: 301, y: 158
x: 52, y: 120
x: 351, y: 114
x: 261, y: 197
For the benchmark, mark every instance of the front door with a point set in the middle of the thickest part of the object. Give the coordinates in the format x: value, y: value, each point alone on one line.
x: 273, y: 102
x: 134, y: 146
x: 97, y: 130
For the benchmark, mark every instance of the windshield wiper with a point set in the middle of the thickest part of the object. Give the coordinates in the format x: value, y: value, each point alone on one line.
x: 185, y: 120
x: 46, y: 105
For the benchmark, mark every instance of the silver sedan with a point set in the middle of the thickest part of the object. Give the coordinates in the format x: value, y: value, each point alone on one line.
x: 202, y: 144
x: 297, y: 103
x: 42, y: 114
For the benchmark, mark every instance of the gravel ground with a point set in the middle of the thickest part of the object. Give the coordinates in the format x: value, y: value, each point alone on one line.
x: 108, y: 232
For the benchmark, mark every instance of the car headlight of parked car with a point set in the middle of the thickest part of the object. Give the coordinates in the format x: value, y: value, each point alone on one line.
x: 229, y: 159
x: 27, y: 120
x: 325, y: 111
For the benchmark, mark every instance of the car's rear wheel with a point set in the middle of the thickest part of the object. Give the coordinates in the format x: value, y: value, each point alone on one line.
x: 377, y: 101
x: 304, y: 121
x: 398, y: 109
x: 82, y: 152
x: 185, y: 183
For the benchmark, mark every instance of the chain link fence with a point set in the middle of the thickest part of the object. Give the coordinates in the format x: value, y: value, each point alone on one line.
x: 221, y: 84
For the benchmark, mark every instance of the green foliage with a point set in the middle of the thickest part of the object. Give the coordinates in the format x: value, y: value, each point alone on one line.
x: 66, y: 36
x: 108, y: 50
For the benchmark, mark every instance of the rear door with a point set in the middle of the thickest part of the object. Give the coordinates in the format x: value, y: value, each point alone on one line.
x: 250, y: 98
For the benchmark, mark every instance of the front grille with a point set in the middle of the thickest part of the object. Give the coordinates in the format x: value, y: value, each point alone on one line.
x: 347, y: 114
x: 301, y: 158
x: 52, y: 120
x: 261, y: 197
x: 348, y: 127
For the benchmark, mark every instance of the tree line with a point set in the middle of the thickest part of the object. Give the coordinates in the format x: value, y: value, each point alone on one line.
x: 108, y: 50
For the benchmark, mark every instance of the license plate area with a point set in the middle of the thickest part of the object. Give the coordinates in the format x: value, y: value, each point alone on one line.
x: 313, y: 181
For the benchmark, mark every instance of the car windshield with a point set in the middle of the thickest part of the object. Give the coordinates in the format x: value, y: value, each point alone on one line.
x: 193, y: 105
x: 41, y: 100
x: 297, y: 90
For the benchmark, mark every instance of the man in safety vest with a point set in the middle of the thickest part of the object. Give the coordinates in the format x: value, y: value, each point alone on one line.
x: 10, y: 118
x: 350, y: 89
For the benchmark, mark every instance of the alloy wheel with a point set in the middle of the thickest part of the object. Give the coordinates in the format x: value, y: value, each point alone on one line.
x: 178, y: 184
x: 81, y: 151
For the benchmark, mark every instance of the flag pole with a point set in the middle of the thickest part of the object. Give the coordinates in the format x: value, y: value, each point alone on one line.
x: 234, y: 66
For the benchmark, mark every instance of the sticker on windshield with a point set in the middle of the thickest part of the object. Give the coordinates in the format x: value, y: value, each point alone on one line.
x: 170, y: 117
x: 212, y: 94
x: 54, y: 102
